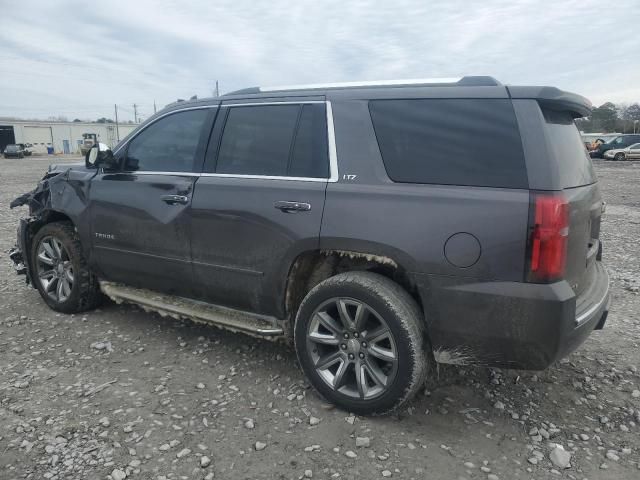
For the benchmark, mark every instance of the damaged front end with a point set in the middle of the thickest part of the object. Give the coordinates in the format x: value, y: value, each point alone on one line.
x: 46, y: 203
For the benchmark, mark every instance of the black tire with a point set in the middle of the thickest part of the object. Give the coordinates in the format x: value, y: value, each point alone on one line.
x: 401, y: 316
x: 85, y: 291
x: 619, y: 157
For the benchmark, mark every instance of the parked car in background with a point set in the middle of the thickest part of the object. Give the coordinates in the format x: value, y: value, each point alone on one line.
x: 26, y: 148
x: 274, y: 211
x: 619, y: 142
x: 14, y: 151
x: 592, y: 140
x: 629, y: 153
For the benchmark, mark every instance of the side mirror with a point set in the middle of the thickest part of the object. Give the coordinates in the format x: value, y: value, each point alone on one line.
x: 100, y: 155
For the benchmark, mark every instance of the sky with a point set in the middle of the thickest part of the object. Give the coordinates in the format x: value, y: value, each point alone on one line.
x: 78, y: 58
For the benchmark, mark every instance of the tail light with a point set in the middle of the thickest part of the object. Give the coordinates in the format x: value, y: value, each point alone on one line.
x: 549, y: 227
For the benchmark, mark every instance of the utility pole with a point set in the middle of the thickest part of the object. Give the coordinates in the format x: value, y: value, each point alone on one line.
x: 115, y: 106
x: 154, y: 106
x: 217, y: 91
x: 135, y: 113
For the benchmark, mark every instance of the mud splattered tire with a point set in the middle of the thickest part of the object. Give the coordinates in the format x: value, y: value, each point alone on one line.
x: 360, y: 341
x: 60, y: 271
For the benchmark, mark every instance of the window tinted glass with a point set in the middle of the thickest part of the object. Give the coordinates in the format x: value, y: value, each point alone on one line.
x: 168, y: 145
x: 257, y: 140
x: 575, y: 165
x: 450, y: 141
x: 310, y: 154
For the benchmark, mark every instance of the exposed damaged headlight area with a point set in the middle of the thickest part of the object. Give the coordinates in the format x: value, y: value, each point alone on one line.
x: 62, y: 194
x: 39, y: 199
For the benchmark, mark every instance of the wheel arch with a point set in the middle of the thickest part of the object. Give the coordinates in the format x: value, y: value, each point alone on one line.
x: 311, y: 267
x: 33, y: 226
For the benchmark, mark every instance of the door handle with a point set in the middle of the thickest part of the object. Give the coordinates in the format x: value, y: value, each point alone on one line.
x: 292, y: 207
x: 175, y: 199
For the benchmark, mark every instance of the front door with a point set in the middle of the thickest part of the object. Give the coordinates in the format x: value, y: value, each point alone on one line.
x: 259, y: 202
x: 140, y: 214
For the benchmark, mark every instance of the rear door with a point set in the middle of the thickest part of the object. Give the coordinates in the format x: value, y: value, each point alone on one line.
x: 140, y: 214
x: 576, y: 176
x: 634, y: 150
x: 259, y: 201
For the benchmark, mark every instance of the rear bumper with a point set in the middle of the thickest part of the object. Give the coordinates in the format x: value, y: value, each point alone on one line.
x: 510, y: 324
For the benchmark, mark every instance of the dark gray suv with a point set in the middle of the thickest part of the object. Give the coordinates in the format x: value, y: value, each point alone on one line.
x: 377, y: 226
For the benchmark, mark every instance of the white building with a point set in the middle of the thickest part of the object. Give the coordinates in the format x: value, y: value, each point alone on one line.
x: 63, y: 137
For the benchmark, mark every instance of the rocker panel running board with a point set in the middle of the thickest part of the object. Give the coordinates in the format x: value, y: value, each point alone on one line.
x: 180, y: 307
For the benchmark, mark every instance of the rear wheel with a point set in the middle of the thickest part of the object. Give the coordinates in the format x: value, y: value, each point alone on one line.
x: 619, y: 157
x: 359, y: 339
x: 61, y: 273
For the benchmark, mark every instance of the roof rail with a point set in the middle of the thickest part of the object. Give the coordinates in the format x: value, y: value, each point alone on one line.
x: 468, y: 81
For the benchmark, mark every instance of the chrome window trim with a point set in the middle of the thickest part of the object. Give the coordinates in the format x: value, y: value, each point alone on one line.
x: 157, y: 172
x: 331, y: 147
x: 331, y: 144
x: 258, y: 104
x: 264, y: 177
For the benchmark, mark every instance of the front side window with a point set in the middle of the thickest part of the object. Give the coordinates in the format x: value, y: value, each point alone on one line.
x: 275, y: 140
x: 167, y: 145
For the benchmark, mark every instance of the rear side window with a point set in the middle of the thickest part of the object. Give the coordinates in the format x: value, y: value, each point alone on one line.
x: 472, y: 142
x: 275, y: 140
x: 310, y: 153
x: 574, y: 164
x: 257, y: 140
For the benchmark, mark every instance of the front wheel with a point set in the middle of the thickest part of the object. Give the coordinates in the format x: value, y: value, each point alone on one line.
x: 360, y: 341
x: 619, y: 157
x: 60, y: 271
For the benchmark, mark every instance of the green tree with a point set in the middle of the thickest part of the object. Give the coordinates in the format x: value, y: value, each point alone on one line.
x: 604, y: 117
x: 632, y: 112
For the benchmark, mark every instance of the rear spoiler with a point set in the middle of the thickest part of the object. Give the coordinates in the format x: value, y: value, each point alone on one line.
x: 555, y: 99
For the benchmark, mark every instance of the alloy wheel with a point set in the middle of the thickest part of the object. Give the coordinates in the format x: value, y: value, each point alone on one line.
x: 54, y: 269
x: 352, y: 348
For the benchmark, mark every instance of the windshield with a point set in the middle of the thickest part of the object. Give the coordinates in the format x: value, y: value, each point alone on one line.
x: 616, y: 141
x: 12, y: 148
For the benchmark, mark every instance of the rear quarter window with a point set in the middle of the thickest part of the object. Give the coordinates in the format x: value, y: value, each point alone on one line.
x: 574, y: 164
x: 473, y: 142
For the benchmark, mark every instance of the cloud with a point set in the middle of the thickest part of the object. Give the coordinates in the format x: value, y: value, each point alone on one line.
x: 79, y: 58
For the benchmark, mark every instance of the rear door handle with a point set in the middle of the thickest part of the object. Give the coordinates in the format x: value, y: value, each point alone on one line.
x: 175, y: 199
x: 292, y: 207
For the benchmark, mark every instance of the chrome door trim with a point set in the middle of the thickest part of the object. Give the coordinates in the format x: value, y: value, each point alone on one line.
x: 258, y: 104
x: 264, y: 177
x: 154, y: 172
x: 331, y: 144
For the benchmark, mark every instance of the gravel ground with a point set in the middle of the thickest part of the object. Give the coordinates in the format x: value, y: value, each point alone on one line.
x: 119, y: 393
